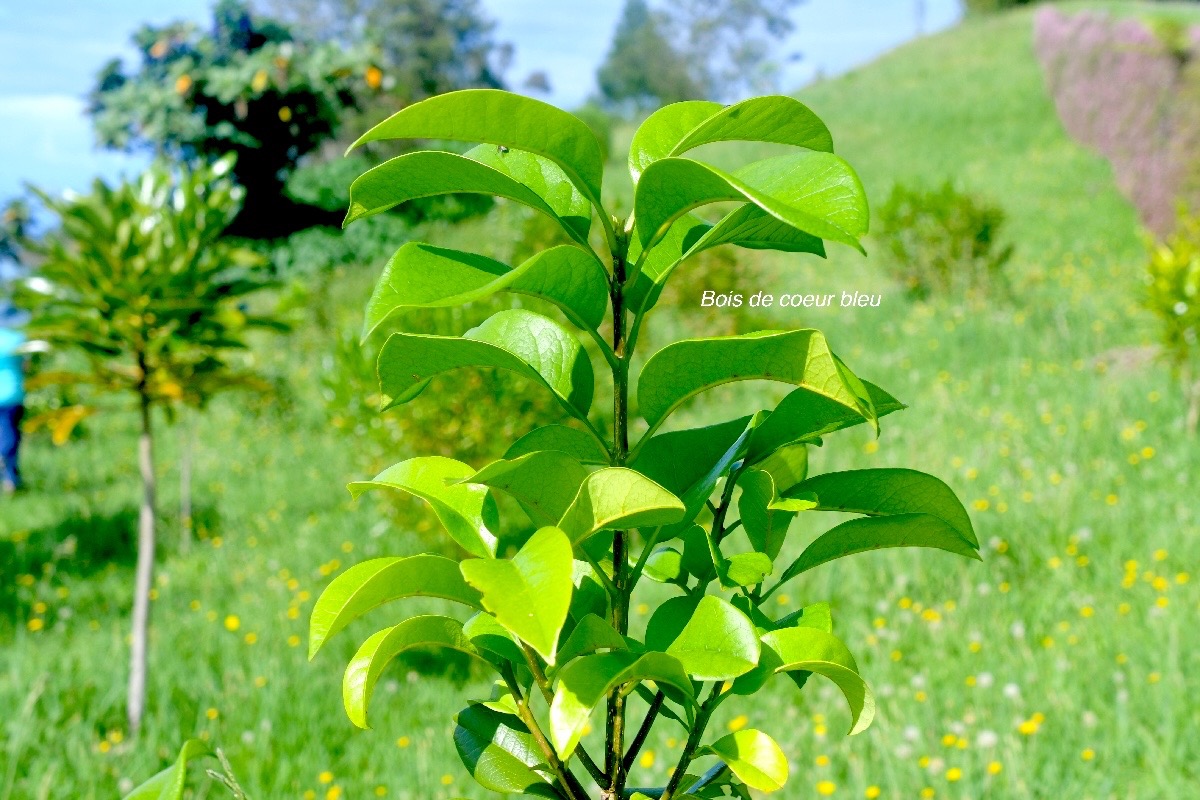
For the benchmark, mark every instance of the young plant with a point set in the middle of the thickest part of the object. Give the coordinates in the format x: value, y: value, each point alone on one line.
x: 138, y: 297
x: 704, y: 511
x: 1173, y: 296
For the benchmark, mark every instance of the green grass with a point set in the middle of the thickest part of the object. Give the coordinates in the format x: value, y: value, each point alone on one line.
x: 1032, y: 407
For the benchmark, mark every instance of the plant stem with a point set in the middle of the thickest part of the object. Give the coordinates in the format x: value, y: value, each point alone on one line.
x: 144, y: 577
x: 614, y: 767
x: 640, y: 738
x: 539, y: 677
x: 693, y: 743
x: 569, y: 783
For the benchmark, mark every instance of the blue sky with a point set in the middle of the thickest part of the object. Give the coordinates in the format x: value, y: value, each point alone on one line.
x: 50, y: 51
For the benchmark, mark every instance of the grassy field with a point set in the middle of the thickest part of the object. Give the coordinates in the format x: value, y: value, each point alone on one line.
x: 1060, y: 667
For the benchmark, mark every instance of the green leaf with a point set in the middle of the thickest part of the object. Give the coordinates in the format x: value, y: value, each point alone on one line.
x: 506, y: 119
x: 368, y: 585
x: 591, y: 634
x: 658, y: 135
x: 529, y: 344
x: 169, y: 784
x: 745, y: 569
x: 686, y: 368
x: 747, y: 226
x: 814, y: 650
x: 584, y: 683
x: 678, y: 460
x: 493, y: 641
x: 665, y: 565
x: 763, y: 513
x: 420, y: 275
x: 887, y: 492
x: 543, y: 482
x: 805, y: 415
x: 816, y: 616
x: 428, y: 173
x: 817, y: 193
x: 377, y: 652
x: 531, y: 593
x: 467, y: 512
x: 576, y: 443
x: 754, y: 757
x: 875, y: 533
x: 499, y: 751
x: 679, y: 127
x: 547, y: 179
x: 712, y: 639
x: 616, y: 497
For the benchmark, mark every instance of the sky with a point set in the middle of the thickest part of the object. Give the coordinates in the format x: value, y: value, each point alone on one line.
x: 51, y: 51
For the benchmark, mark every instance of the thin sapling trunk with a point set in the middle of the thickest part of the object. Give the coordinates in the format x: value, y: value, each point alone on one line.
x: 144, y: 578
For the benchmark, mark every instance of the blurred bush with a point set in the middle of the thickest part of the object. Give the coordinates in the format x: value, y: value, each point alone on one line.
x: 1173, y: 296
x: 942, y: 240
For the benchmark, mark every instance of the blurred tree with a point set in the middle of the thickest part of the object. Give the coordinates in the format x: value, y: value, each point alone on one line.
x: 248, y: 86
x: 714, y: 49
x: 426, y: 47
x: 643, y: 70
x: 137, y: 295
x: 14, y: 222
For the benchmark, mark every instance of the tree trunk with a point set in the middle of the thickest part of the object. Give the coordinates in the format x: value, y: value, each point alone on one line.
x: 143, y: 581
x: 185, y: 483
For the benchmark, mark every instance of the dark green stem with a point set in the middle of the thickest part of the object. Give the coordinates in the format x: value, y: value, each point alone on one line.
x: 614, y: 766
x: 693, y: 743
x: 543, y: 683
x: 640, y: 738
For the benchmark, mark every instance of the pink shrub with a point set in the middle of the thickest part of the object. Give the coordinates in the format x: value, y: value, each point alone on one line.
x: 1133, y: 94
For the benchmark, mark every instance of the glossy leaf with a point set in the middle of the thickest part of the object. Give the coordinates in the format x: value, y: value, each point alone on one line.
x: 712, y: 639
x: 493, y: 641
x: 754, y: 757
x: 686, y: 368
x: 876, y: 533
x: 814, y: 650
x: 764, y: 513
x: 531, y: 593
x: 499, y: 751
x: 504, y: 119
x: 679, y: 127
x: 665, y: 565
x: 429, y: 173
x: 379, y: 650
x: 747, y: 226
x: 745, y: 569
x: 591, y: 634
x: 817, y: 193
x: 547, y: 179
x: 467, y: 512
x: 616, y: 497
x: 529, y: 344
x: 420, y: 275
x: 368, y: 585
x: 805, y: 415
x: 169, y: 784
x: 887, y: 492
x: 584, y: 683
x: 581, y: 445
x: 543, y: 482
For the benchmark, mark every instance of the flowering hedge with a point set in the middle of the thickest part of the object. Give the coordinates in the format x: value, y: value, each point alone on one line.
x: 1131, y: 90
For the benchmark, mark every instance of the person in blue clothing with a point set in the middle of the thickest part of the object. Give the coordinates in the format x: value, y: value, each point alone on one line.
x: 12, y: 403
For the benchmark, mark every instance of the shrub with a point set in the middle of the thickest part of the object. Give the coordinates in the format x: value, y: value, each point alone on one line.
x: 617, y: 503
x: 942, y: 240
x: 1173, y: 296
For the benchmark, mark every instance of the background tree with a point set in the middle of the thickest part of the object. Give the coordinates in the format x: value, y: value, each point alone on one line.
x: 425, y: 47
x: 690, y: 49
x: 643, y: 70
x: 139, y: 298
x: 248, y: 86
